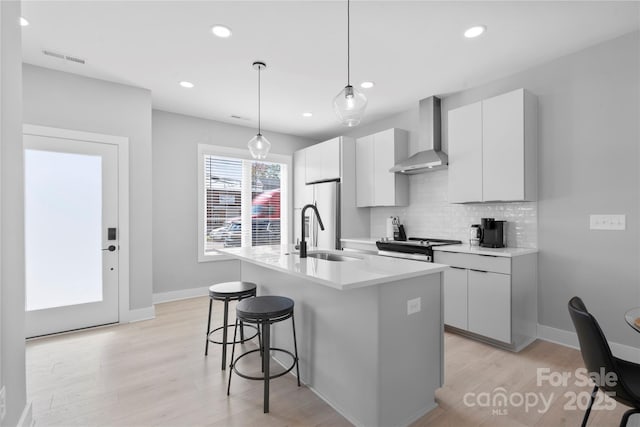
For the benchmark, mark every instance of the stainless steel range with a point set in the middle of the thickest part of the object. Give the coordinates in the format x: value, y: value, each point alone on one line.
x: 416, y: 248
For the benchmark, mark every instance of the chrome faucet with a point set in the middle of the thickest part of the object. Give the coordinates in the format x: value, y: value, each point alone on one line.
x: 303, y: 243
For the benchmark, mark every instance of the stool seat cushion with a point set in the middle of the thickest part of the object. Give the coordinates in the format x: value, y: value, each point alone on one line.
x: 231, y: 289
x: 265, y: 307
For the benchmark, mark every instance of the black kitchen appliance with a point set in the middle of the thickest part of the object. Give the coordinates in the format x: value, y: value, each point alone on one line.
x: 400, y: 234
x: 398, y: 229
x: 492, y: 233
x: 416, y: 248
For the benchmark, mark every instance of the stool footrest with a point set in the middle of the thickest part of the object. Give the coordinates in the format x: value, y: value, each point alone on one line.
x: 261, y: 378
x: 255, y: 334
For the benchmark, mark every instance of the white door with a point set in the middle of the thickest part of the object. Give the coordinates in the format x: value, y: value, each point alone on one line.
x: 455, y: 297
x: 71, y: 234
x: 503, y: 147
x: 364, y: 172
x: 384, y: 158
x: 323, y: 161
x: 465, y: 154
x: 489, y: 299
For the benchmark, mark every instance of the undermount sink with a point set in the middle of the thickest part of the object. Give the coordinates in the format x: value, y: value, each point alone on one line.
x: 328, y: 256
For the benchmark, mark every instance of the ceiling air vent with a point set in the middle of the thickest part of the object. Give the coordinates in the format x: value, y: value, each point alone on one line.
x: 63, y: 56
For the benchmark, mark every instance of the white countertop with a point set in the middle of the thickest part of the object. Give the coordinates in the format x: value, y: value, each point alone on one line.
x: 368, y: 270
x: 477, y: 250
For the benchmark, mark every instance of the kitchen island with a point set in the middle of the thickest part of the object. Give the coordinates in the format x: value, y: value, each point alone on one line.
x: 359, y: 349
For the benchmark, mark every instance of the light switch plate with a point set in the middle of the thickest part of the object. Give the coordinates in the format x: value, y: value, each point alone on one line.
x: 413, y: 305
x: 607, y: 222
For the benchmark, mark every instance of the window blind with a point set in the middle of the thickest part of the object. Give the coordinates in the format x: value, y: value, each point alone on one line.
x: 225, y: 190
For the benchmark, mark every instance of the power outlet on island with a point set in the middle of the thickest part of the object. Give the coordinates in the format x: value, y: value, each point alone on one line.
x: 3, y: 403
x: 413, y: 306
x: 607, y: 222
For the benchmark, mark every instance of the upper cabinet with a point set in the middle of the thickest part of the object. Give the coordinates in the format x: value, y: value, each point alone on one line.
x: 465, y: 154
x: 323, y: 161
x: 302, y: 194
x: 492, y: 149
x: 375, y: 155
x: 330, y: 160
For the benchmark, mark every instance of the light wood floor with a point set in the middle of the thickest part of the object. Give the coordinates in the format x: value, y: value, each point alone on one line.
x: 154, y: 373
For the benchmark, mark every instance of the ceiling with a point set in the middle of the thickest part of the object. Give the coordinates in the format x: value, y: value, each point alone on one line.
x: 411, y: 50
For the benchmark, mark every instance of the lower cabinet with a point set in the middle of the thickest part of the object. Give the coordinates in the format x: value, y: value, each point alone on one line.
x: 455, y: 297
x: 490, y: 296
x: 489, y: 300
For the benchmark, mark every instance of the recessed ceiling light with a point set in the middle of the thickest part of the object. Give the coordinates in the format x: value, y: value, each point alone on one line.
x: 475, y: 31
x: 221, y: 31
x: 188, y: 85
x: 307, y: 114
x: 23, y: 22
x: 367, y: 85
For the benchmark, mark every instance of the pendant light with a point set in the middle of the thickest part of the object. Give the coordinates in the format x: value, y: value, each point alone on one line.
x: 349, y: 104
x: 259, y: 146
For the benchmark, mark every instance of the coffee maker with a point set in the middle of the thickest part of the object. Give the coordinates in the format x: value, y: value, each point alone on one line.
x: 491, y: 233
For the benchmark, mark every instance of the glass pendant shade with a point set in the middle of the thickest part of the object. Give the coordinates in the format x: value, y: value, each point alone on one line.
x: 259, y: 147
x: 349, y: 106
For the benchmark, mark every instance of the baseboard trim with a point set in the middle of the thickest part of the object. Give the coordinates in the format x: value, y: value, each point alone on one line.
x: 26, y: 419
x: 161, y: 297
x: 558, y: 336
x: 570, y: 339
x: 140, y: 314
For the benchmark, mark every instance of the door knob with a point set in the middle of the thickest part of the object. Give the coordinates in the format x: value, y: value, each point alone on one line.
x: 111, y: 248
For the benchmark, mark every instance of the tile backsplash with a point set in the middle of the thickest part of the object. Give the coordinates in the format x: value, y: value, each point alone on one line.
x: 429, y: 214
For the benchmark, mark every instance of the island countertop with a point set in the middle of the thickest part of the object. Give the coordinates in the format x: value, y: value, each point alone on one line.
x: 367, y: 270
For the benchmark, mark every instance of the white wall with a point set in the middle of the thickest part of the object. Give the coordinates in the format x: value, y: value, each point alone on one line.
x: 589, y: 163
x: 64, y: 100
x: 175, y: 197
x: 12, y: 363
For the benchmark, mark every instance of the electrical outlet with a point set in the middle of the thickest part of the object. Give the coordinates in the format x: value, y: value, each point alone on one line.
x: 3, y: 403
x: 413, y: 306
x: 607, y: 222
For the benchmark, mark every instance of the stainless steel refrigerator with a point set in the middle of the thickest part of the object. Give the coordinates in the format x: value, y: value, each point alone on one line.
x: 326, y: 197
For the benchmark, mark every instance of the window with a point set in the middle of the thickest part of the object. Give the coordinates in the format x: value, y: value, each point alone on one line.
x: 236, y: 191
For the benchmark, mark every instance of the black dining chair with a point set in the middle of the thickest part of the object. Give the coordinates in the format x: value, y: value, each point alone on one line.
x: 597, y: 357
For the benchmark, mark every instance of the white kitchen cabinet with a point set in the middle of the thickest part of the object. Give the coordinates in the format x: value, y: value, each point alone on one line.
x: 364, y: 171
x: 323, y: 161
x: 375, y: 155
x: 492, y: 149
x: 465, y: 154
x: 491, y: 298
x: 302, y: 193
x: 509, y: 154
x: 455, y: 297
x: 489, y: 302
x: 353, y: 221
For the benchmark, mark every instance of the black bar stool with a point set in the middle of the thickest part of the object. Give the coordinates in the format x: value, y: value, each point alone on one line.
x: 228, y: 291
x: 264, y: 311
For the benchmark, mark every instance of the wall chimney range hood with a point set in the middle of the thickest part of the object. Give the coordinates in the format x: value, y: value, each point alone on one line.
x: 429, y: 158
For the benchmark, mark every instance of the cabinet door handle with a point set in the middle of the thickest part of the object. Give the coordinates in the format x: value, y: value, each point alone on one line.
x: 479, y: 271
x: 457, y: 268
